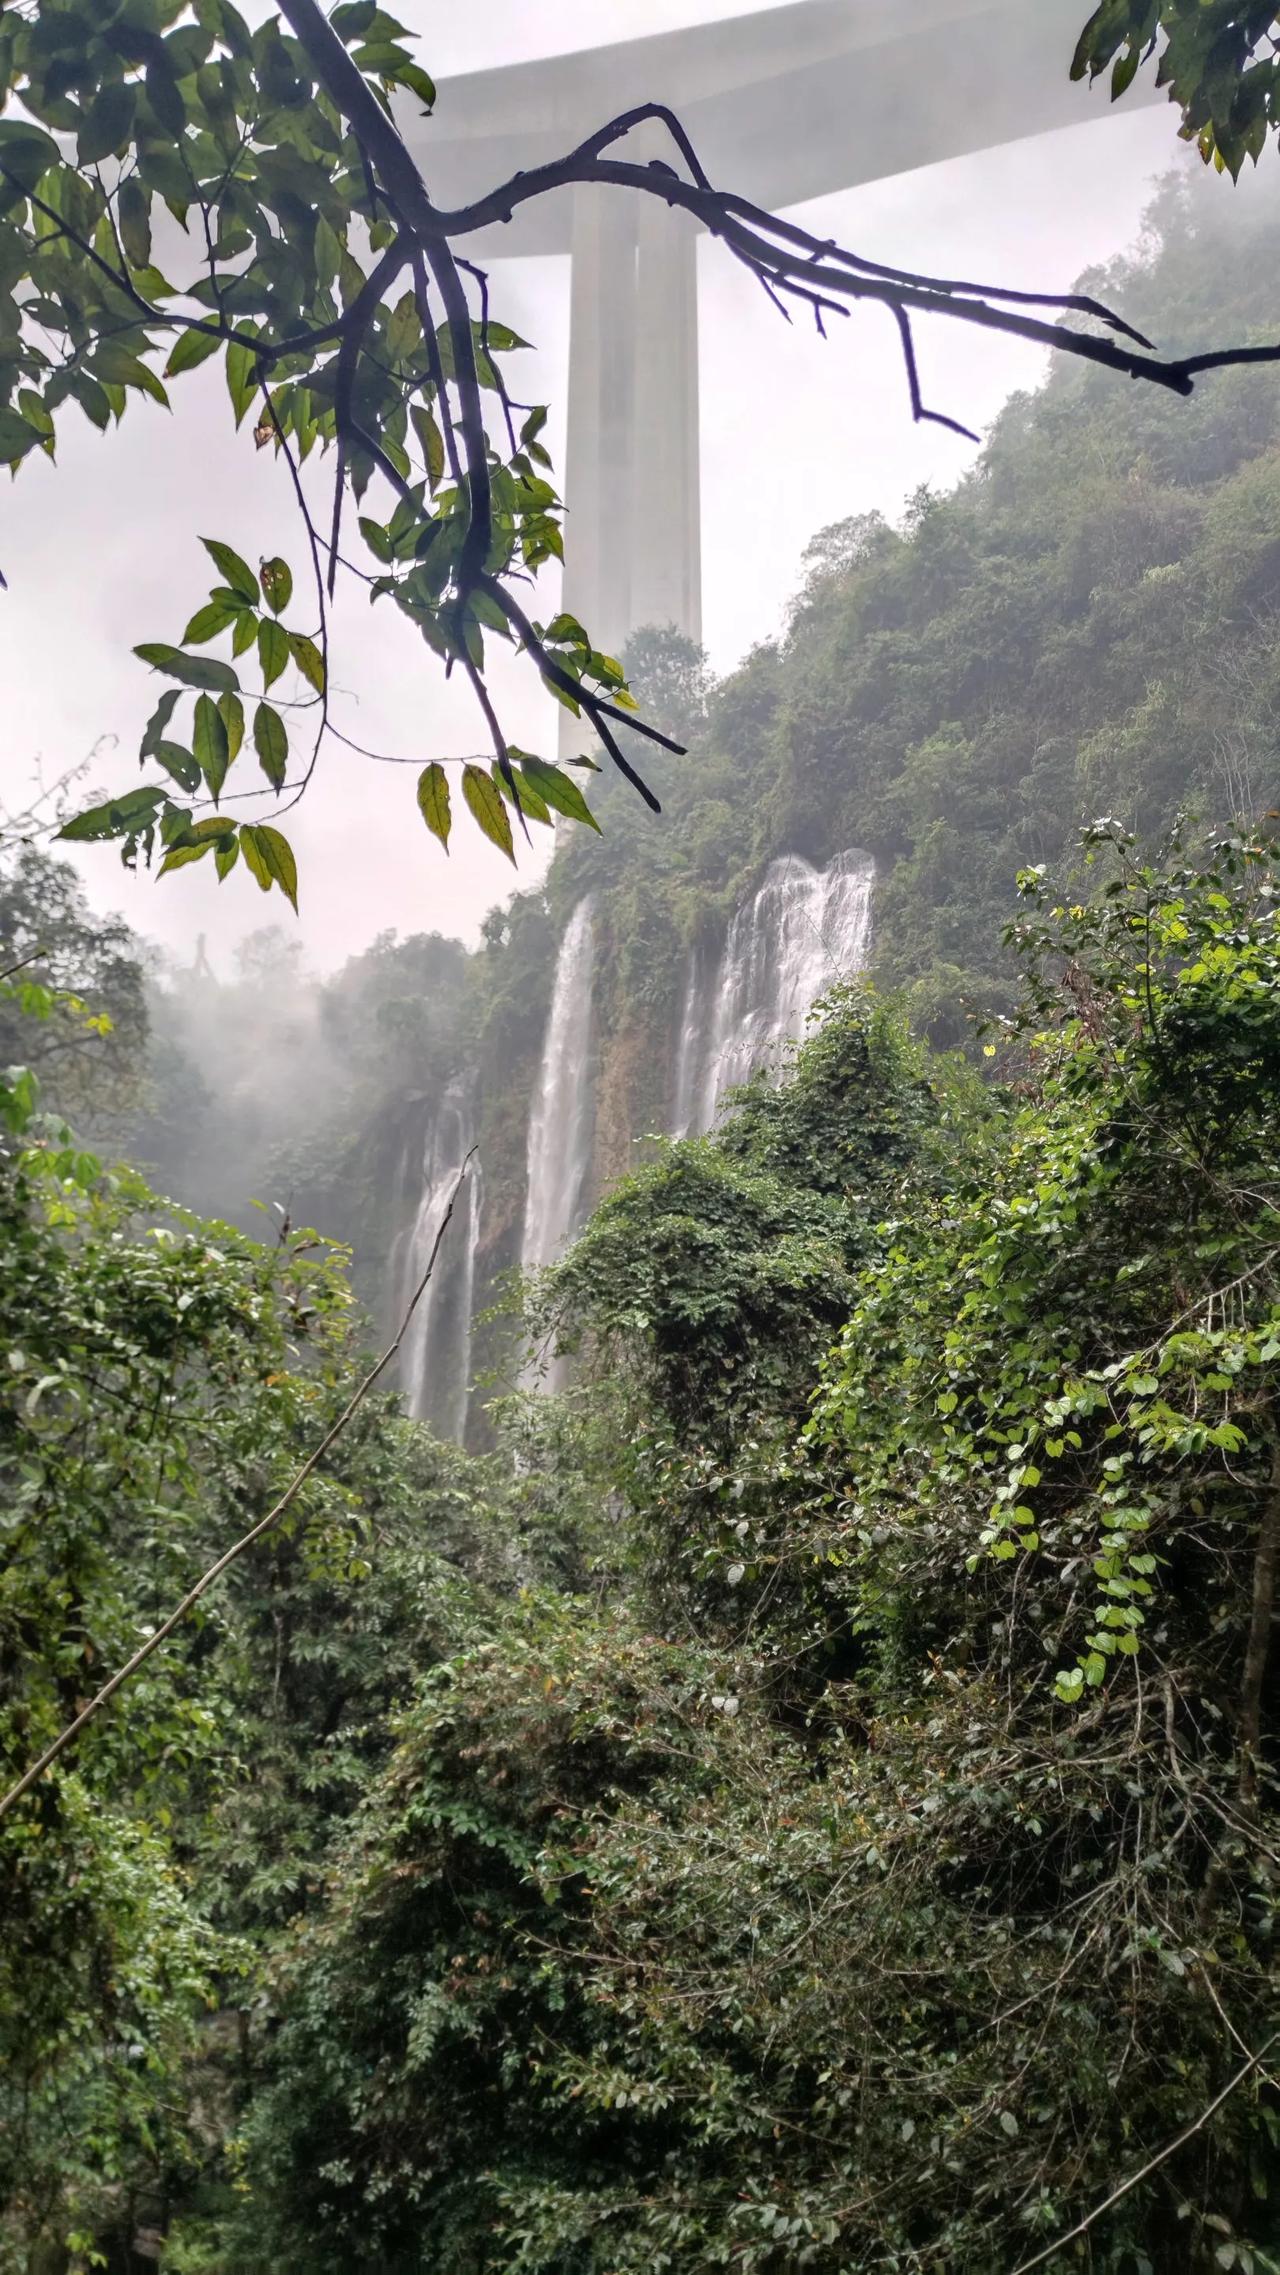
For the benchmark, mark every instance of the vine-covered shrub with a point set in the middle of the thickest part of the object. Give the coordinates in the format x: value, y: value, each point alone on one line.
x: 886, y: 1876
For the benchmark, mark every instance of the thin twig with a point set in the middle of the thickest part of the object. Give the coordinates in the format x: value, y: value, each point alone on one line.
x: 256, y: 1532
x: 33, y: 958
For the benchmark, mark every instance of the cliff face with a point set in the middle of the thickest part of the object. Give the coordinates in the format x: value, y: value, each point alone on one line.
x: 1089, y: 622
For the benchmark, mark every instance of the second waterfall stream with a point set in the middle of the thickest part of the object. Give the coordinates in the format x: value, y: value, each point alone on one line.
x: 562, y: 1116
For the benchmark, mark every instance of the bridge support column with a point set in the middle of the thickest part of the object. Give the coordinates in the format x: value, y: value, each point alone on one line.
x: 602, y: 376
x: 666, y: 510
x: 633, y: 509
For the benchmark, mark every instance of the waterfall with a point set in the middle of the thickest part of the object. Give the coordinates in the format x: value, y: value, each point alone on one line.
x: 804, y: 929
x: 562, y: 1117
x: 435, y: 1358
x: 562, y: 1120
x: 691, y: 1046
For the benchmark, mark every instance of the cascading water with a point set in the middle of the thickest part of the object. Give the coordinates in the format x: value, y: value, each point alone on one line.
x: 691, y: 1047
x: 562, y: 1119
x: 804, y: 929
x: 435, y: 1357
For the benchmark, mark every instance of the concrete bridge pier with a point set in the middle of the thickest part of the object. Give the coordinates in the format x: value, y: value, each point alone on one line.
x: 633, y: 509
x: 602, y: 389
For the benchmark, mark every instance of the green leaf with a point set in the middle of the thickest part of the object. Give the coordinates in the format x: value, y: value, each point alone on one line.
x: 117, y: 817
x: 242, y: 380
x: 246, y: 632
x: 277, y: 585
x: 432, y: 442
x: 180, y: 763
x: 94, y: 400
x: 107, y: 122
x: 238, y: 574
x: 433, y: 801
x: 193, y: 671
x: 308, y: 659
x: 133, y: 218
x: 326, y: 251
x: 376, y: 539
x: 210, y: 744
x: 519, y: 792
x: 412, y: 76
x: 26, y: 152
x: 208, y: 621
x: 1126, y: 66
x: 190, y: 349
x: 485, y: 800
x: 119, y: 368
x: 155, y: 286
x: 271, y: 741
x: 34, y: 412
x: 231, y: 713
x: 273, y: 650
x: 17, y: 437
x: 190, y: 849
x: 558, y: 789
x: 225, y: 857
x: 270, y: 859
x: 162, y: 91
x: 159, y: 721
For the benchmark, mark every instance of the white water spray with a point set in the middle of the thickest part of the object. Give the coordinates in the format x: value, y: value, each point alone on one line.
x: 435, y: 1357
x: 804, y: 929
x: 562, y: 1120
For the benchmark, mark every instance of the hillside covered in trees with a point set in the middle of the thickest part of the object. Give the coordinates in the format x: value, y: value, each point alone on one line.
x: 807, y: 1796
x: 1085, y: 625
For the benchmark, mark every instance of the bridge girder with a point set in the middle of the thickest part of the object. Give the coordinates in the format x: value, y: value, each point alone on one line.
x: 783, y: 105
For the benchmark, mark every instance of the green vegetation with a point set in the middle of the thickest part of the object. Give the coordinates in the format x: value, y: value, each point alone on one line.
x: 1086, y: 624
x: 818, y: 1809
x: 1216, y: 57
x: 809, y: 1797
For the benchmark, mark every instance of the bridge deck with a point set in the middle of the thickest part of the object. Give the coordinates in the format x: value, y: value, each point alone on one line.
x: 783, y: 105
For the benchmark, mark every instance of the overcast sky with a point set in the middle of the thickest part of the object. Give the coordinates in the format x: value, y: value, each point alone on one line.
x: 102, y: 550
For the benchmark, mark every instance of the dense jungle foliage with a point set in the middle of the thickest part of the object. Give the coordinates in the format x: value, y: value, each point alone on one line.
x: 817, y: 1808
x: 807, y: 1798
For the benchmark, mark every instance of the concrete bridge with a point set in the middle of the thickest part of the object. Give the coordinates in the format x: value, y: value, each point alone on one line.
x: 787, y: 104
